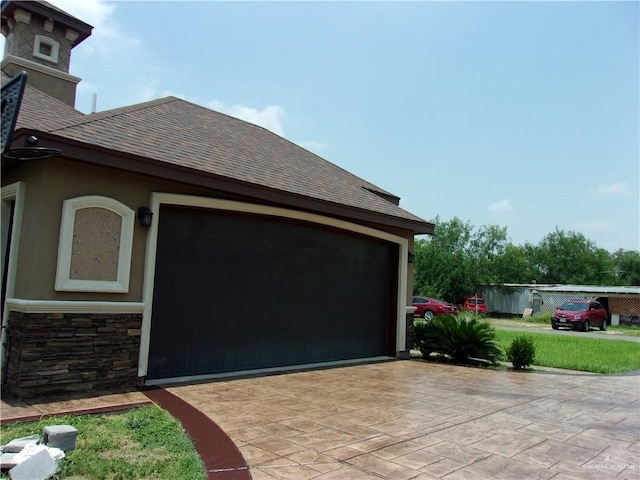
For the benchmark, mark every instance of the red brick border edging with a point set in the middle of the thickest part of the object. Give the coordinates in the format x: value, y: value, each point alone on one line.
x: 222, y: 459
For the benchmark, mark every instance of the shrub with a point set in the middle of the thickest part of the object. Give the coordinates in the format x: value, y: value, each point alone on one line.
x: 521, y: 353
x: 543, y: 318
x: 461, y: 338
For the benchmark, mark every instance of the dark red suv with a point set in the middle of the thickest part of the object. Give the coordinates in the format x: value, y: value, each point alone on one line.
x: 580, y: 315
x: 427, y: 308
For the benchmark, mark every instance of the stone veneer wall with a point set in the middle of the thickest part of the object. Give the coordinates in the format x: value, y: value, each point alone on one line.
x: 71, y: 352
x: 410, y: 339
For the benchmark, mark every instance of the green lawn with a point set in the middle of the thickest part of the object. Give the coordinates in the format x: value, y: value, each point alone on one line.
x: 579, y: 353
x: 543, y: 321
x: 142, y: 443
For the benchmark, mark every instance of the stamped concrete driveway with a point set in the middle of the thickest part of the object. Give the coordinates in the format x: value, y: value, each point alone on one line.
x: 424, y: 421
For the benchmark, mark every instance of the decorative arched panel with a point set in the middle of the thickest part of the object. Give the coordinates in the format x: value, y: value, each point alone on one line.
x: 96, y: 238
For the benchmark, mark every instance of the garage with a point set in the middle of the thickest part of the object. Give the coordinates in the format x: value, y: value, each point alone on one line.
x: 237, y: 292
x: 168, y: 241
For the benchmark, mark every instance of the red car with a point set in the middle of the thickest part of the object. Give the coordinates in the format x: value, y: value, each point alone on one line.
x: 580, y: 315
x: 427, y: 308
x: 475, y: 304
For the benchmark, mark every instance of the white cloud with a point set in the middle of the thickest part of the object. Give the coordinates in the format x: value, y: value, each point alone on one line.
x: 147, y: 92
x: 612, y: 189
x: 93, y: 12
x: 123, y: 52
x: 106, y: 36
x: 271, y: 117
x: 501, y: 206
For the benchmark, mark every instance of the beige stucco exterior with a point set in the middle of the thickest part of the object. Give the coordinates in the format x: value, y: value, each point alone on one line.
x: 49, y: 183
x: 115, y: 326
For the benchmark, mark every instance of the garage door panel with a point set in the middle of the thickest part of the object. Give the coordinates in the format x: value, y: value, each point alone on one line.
x: 228, y: 354
x: 237, y: 292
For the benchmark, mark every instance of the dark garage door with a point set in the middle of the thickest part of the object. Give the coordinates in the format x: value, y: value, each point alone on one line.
x: 238, y: 292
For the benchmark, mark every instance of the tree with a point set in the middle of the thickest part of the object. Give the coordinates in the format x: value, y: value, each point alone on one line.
x: 458, y: 260
x: 488, y: 244
x: 570, y: 258
x: 442, y: 263
x: 513, y: 266
x: 626, y: 267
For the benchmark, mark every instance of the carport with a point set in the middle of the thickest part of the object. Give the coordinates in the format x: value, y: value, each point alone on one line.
x: 622, y: 303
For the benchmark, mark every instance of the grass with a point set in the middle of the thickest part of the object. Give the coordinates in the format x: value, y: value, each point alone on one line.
x: 142, y: 443
x: 544, y: 320
x: 578, y: 353
x: 626, y: 330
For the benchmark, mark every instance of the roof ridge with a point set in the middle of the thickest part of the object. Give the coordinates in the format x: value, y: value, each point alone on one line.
x: 115, y: 112
x: 362, y: 183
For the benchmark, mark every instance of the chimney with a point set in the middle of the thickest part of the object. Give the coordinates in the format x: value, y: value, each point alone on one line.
x: 39, y: 39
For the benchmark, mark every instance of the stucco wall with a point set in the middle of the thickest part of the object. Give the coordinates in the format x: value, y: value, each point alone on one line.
x: 49, y: 183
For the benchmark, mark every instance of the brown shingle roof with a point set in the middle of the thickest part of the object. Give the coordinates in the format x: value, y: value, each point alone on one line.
x: 174, y: 131
x: 40, y: 111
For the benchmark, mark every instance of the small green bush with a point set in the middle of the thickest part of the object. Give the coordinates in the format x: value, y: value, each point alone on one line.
x: 463, y: 338
x: 521, y: 353
x: 542, y: 318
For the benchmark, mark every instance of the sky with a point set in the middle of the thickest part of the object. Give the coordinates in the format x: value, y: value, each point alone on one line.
x: 524, y: 115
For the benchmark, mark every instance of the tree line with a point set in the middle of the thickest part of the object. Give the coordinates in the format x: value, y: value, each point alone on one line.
x: 458, y: 259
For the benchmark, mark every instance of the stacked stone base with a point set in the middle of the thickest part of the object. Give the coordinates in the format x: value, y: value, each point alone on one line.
x: 50, y: 353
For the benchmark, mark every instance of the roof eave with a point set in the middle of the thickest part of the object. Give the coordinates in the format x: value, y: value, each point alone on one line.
x: 78, y: 151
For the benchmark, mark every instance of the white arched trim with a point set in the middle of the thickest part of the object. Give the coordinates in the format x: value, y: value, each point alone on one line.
x: 64, y: 280
x: 158, y: 199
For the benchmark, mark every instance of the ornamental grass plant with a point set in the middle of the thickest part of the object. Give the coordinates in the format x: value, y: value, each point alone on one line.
x: 462, y: 339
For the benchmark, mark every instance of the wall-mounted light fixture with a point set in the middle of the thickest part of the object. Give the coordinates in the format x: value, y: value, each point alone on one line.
x: 410, y: 257
x: 145, y: 215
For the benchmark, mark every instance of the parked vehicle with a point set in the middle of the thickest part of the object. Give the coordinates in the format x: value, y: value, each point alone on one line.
x: 580, y: 315
x: 475, y: 304
x: 427, y: 308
